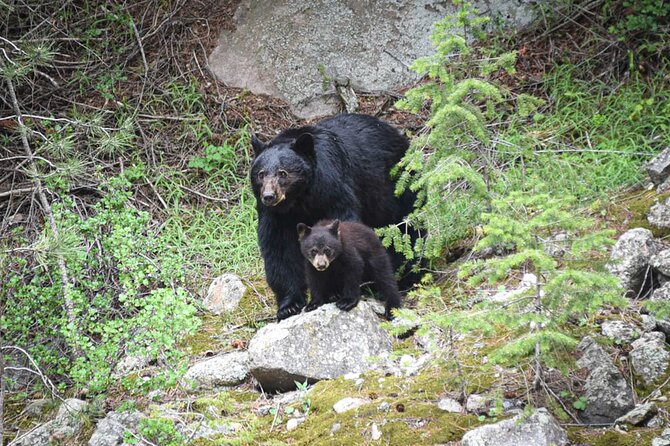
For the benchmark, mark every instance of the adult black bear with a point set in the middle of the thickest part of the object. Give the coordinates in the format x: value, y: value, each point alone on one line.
x: 336, y: 169
x: 341, y: 256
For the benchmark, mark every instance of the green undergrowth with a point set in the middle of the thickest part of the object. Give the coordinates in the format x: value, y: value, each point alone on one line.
x: 601, y: 437
x: 412, y: 418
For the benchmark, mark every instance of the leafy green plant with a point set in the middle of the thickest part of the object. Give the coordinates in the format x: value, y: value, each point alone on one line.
x: 161, y: 431
x: 127, y: 301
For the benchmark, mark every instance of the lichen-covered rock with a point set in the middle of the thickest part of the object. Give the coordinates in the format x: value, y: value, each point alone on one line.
x: 630, y: 258
x: 538, y: 429
x: 224, y: 294
x: 349, y: 403
x: 477, y: 404
x: 225, y: 370
x: 620, y: 331
x: 662, y: 293
x: 68, y: 422
x: 110, y: 431
x: 639, y: 415
x: 322, y: 344
x: 129, y: 364
x: 607, y: 393
x: 661, y: 262
x: 659, y: 167
x: 449, y: 405
x: 288, y: 50
x: 649, y: 357
x: 663, y: 439
x: 659, y: 214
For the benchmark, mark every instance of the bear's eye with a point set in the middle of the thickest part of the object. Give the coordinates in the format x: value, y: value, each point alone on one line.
x: 327, y: 252
x: 314, y: 252
x: 261, y: 174
x: 282, y: 174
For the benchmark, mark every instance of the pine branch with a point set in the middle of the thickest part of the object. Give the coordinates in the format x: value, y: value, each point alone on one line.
x: 68, y: 303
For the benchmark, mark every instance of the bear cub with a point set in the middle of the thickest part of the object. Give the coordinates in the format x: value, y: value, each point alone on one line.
x: 340, y: 257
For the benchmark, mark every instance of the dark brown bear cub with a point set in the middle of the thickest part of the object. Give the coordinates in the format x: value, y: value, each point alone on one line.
x: 340, y: 257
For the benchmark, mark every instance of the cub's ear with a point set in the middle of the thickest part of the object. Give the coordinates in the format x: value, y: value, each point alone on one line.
x: 303, y: 231
x: 304, y: 145
x: 257, y: 145
x: 334, y: 228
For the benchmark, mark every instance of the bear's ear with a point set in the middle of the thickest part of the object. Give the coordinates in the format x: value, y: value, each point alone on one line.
x: 304, y: 145
x: 257, y: 145
x: 303, y: 231
x: 334, y: 228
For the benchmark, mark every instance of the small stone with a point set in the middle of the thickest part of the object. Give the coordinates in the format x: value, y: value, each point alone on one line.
x: 659, y: 214
x: 335, y: 428
x: 293, y: 423
x: 639, y: 415
x: 348, y: 403
x: 648, y: 323
x: 654, y: 422
x: 224, y: 294
x: 449, y: 405
x: 384, y: 407
x: 359, y: 382
x: 351, y: 376
x: 663, y: 439
x: 228, y: 369
x: 658, y: 168
x: 662, y: 293
x: 661, y: 262
x: 375, y: 433
x: 620, y: 331
x: 476, y: 404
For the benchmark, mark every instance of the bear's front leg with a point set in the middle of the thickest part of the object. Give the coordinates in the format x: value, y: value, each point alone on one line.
x: 318, y: 291
x: 284, y: 265
x: 351, y: 292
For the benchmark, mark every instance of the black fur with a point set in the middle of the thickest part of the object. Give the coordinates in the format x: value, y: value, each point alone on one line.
x: 340, y: 257
x: 337, y: 169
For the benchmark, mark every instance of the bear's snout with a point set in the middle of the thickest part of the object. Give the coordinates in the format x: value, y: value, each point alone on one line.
x: 272, y: 194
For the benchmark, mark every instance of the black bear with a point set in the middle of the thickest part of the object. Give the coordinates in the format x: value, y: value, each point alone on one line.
x: 336, y: 169
x: 340, y: 257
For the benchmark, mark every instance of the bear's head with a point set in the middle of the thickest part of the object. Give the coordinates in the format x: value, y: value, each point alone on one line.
x: 282, y: 170
x: 320, y: 244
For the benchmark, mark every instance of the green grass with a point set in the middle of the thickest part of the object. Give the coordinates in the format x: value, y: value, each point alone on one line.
x: 594, y: 137
x: 215, y: 240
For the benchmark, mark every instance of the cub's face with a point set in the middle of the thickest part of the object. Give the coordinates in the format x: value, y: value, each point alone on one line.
x: 280, y: 173
x: 320, y: 245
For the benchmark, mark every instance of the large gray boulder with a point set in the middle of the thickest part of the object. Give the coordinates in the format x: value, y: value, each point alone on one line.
x: 659, y: 214
x: 111, y: 430
x: 538, y: 429
x: 296, y: 50
x: 630, y: 258
x: 649, y: 357
x: 662, y: 293
x: 67, y: 423
x: 322, y: 344
x: 608, y: 396
x: 228, y: 369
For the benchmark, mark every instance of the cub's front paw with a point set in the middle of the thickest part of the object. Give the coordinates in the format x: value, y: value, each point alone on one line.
x: 346, y: 305
x: 312, y: 306
x: 289, y: 310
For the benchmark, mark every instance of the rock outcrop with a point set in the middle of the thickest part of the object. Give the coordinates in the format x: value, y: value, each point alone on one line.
x: 322, y: 344
x: 607, y: 393
x: 539, y: 429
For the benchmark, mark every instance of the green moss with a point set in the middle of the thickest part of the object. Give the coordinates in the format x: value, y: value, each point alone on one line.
x: 600, y: 437
x: 638, y: 204
x: 216, y: 333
